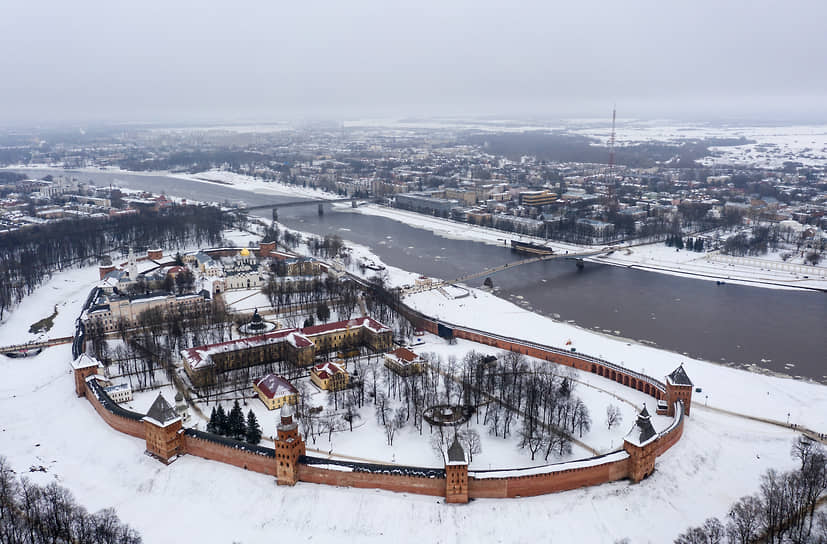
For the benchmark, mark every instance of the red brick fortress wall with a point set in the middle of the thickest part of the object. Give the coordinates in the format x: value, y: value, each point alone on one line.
x: 122, y: 424
x: 389, y: 482
x: 232, y: 456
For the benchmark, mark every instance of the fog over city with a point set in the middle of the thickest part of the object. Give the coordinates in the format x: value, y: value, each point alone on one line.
x: 155, y: 61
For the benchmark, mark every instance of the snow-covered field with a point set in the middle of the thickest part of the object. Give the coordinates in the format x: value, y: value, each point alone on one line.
x: 773, y: 145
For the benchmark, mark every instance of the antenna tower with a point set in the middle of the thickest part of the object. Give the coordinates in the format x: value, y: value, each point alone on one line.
x: 612, y: 180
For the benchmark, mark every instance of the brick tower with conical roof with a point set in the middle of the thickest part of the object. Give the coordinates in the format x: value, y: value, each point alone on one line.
x: 289, y: 447
x: 678, y: 387
x: 162, y: 428
x: 456, y: 474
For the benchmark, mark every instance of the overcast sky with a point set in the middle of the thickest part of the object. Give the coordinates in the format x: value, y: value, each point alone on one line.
x: 232, y: 60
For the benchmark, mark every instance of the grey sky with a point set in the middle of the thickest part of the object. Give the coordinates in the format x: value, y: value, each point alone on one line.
x: 238, y: 60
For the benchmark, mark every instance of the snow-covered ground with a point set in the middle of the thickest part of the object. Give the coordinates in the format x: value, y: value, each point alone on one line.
x: 719, y: 458
x: 655, y: 257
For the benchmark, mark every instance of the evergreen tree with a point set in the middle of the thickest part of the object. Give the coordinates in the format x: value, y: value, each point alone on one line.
x: 699, y: 244
x: 211, y: 425
x: 253, y: 429
x: 221, y: 421
x: 235, y: 423
x: 323, y: 312
x: 565, y: 388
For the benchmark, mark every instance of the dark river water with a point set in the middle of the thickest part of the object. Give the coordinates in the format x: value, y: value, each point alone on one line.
x: 728, y: 323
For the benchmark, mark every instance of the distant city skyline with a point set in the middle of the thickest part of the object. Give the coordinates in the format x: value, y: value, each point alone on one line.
x: 247, y: 61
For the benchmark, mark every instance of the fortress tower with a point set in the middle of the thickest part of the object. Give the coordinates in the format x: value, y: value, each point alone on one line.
x: 678, y: 387
x: 83, y: 367
x: 641, y: 444
x: 289, y: 447
x: 163, y: 427
x: 456, y: 474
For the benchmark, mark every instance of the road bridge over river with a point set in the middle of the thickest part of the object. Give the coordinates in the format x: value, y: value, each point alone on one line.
x: 298, y: 203
x: 577, y: 257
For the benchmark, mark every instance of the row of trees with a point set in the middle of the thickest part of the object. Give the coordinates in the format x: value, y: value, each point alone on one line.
x: 676, y: 240
x: 284, y: 294
x: 29, y: 256
x: 234, y: 425
x: 784, y: 510
x: 34, y: 514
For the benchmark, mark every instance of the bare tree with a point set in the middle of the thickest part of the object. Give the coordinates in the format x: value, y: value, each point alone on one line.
x: 473, y: 444
x: 613, y: 416
x: 802, y: 448
x: 744, y: 520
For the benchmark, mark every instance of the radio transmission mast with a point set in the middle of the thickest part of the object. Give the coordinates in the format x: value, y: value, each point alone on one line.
x: 612, y: 180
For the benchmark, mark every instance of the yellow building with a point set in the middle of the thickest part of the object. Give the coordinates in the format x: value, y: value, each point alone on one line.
x: 275, y: 391
x: 404, y: 362
x: 330, y: 376
x: 537, y: 198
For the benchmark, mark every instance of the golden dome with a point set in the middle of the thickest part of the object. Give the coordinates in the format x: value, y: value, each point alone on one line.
x: 245, y: 252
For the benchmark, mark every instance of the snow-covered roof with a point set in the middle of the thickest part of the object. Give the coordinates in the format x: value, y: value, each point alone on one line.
x: 403, y: 356
x: 642, y: 432
x: 367, y: 322
x: 274, y: 386
x: 84, y: 361
x: 201, y: 356
x: 327, y: 369
x: 679, y: 377
x: 161, y: 413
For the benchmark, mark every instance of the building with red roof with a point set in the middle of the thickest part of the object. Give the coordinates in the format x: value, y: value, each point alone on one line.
x: 330, y: 376
x: 275, y: 391
x: 297, y: 346
x: 404, y: 362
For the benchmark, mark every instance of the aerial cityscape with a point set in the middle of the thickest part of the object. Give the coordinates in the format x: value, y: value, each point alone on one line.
x: 430, y: 303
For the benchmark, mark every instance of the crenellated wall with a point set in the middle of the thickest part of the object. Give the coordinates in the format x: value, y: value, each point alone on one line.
x: 131, y: 426
x: 390, y: 482
x: 215, y: 451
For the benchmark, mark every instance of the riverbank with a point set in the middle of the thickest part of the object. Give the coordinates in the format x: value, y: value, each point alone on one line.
x: 654, y: 257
